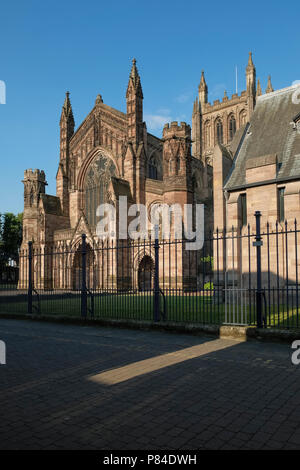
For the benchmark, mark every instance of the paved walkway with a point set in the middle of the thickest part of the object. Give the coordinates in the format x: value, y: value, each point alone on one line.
x: 75, y: 387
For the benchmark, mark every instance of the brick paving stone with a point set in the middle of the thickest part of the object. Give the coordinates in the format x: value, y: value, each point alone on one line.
x: 232, y: 396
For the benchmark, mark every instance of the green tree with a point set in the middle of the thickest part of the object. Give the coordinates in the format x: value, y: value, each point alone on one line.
x: 10, y: 236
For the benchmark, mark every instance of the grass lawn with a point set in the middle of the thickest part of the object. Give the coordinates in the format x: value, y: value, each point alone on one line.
x: 189, y: 307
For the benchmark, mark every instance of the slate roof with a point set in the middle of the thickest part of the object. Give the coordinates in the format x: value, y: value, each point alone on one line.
x: 272, y: 131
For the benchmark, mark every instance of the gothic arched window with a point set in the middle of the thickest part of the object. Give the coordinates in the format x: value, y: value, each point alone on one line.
x: 152, y: 168
x: 232, y: 127
x: 243, y: 117
x: 96, y: 184
x: 219, y: 131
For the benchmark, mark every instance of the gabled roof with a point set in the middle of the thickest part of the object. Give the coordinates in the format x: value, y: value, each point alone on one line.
x: 271, y: 132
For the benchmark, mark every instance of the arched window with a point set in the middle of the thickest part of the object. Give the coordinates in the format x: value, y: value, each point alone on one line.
x: 206, y: 135
x: 152, y: 168
x: 243, y: 117
x: 96, y: 184
x: 232, y: 127
x: 219, y: 131
x: 146, y: 273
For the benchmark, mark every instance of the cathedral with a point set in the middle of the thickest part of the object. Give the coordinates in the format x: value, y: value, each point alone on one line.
x: 237, y: 149
x: 109, y: 155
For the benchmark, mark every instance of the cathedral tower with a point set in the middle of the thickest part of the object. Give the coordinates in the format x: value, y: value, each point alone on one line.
x: 135, y: 158
x: 217, y: 122
x: 34, y: 186
x: 177, y: 161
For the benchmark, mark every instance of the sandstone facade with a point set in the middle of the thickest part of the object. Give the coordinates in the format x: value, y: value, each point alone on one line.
x: 109, y: 155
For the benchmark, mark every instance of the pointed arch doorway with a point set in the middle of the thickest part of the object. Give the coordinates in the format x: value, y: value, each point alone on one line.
x: 146, y: 273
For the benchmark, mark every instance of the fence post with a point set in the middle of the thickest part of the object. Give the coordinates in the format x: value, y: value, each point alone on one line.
x: 29, y: 296
x: 258, y: 244
x: 83, y: 279
x: 156, y: 278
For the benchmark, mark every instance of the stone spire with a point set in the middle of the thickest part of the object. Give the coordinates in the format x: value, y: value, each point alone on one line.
x: 250, y: 61
x: 258, y: 89
x: 67, y: 111
x: 251, y: 84
x: 269, y: 88
x: 67, y: 125
x: 196, y: 106
x: 203, y: 90
x: 251, y: 76
x: 134, y: 80
x: 134, y: 98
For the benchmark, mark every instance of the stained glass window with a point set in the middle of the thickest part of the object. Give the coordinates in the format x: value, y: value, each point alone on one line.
x: 96, y: 184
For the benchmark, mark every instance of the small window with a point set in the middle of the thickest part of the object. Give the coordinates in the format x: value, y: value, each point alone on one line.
x: 243, y: 209
x: 281, y: 204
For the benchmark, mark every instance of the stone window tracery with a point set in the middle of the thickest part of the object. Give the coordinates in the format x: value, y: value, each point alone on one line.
x: 232, y: 127
x: 96, y: 184
x: 152, y: 168
x: 219, y: 131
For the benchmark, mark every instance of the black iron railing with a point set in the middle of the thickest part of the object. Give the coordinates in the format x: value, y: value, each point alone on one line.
x: 244, y: 276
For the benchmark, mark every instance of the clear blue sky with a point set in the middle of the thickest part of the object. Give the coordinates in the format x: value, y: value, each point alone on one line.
x: 86, y: 47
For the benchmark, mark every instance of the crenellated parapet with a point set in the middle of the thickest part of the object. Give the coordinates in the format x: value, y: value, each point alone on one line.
x: 217, y: 121
x: 175, y: 130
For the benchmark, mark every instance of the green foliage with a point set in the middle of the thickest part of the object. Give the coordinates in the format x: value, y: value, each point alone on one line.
x: 10, y: 236
x: 208, y: 286
x: 208, y: 259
